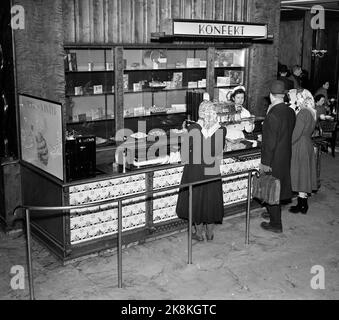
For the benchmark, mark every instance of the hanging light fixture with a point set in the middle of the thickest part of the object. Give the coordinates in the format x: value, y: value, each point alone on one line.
x: 318, y: 53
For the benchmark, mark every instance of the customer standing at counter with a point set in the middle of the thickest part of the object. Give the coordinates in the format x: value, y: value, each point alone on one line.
x: 303, y: 163
x: 236, y: 131
x: 276, y: 150
x: 201, y: 153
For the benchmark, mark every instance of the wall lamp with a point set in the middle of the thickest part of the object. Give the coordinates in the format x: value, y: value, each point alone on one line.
x: 318, y: 53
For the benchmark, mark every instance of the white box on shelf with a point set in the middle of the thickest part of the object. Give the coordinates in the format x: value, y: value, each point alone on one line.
x: 109, y: 66
x: 196, y: 62
x: 190, y: 62
x: 137, y: 86
x: 139, y: 111
x: 78, y: 91
x: 203, y: 63
x: 202, y: 83
x: 162, y: 60
x: 223, y: 81
x: 179, y: 107
x: 97, y: 89
x: 192, y: 84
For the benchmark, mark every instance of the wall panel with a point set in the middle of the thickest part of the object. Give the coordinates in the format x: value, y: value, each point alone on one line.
x: 68, y: 8
x: 291, y: 35
x: 98, y: 21
x: 133, y: 21
x: 125, y: 12
x: 263, y: 56
x: 84, y: 21
x: 39, y: 50
x: 139, y: 20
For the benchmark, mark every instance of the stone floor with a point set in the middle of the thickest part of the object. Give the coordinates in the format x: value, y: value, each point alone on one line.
x: 273, y: 266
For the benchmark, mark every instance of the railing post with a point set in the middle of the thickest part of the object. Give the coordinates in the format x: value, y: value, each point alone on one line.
x: 29, y: 255
x: 248, y: 209
x: 190, y: 195
x: 119, y: 244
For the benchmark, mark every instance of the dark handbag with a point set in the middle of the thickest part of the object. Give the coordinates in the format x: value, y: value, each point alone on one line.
x: 266, y: 188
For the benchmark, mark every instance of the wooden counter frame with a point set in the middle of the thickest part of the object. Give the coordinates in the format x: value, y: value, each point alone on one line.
x: 56, y: 232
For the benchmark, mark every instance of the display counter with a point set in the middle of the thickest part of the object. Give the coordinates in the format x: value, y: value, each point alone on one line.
x: 95, y: 228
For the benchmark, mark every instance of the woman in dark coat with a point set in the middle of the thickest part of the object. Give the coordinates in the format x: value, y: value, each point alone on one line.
x: 202, y: 151
x: 303, y: 161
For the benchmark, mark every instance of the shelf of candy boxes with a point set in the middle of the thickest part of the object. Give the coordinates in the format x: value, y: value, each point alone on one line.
x: 107, y: 228
x: 163, y: 215
x: 235, y: 190
x: 163, y: 200
x: 86, y: 218
x: 166, y: 178
x: 235, y: 164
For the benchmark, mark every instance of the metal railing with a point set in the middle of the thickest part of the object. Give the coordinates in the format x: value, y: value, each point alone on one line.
x: 119, y: 200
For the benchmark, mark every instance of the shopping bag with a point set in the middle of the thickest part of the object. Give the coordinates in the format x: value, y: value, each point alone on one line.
x: 266, y: 188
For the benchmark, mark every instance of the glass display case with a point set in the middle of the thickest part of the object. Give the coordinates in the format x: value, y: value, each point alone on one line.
x: 90, y: 93
x: 229, y: 72
x: 152, y: 85
x: 156, y: 80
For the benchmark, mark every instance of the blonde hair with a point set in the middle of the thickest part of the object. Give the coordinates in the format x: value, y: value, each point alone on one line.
x: 305, y: 100
x: 208, y: 113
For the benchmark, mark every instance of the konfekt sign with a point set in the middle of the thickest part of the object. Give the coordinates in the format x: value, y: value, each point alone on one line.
x: 218, y: 29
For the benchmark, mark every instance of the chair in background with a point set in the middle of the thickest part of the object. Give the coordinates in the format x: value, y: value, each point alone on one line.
x: 328, y: 130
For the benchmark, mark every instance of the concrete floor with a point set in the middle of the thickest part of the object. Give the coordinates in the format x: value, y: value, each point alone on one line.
x: 273, y: 266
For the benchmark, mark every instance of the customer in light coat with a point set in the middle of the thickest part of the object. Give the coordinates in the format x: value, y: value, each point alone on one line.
x: 276, y: 149
x: 303, y: 163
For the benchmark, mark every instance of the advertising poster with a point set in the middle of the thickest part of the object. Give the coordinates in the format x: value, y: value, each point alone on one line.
x: 41, y: 134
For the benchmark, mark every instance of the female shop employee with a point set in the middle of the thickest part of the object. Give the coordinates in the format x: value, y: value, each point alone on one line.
x: 235, y: 131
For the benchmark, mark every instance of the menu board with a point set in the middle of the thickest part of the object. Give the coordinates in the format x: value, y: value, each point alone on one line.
x: 41, y: 134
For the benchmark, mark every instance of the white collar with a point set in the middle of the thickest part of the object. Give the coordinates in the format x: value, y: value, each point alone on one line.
x: 209, y: 132
x: 200, y: 122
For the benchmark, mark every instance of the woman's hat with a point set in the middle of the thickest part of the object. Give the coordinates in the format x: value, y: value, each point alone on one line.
x: 230, y: 94
x: 239, y: 87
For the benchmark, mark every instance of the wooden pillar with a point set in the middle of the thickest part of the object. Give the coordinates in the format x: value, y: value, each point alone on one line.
x: 119, y: 88
x: 210, y: 72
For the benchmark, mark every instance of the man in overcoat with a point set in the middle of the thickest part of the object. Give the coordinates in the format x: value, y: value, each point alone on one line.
x: 276, y: 149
